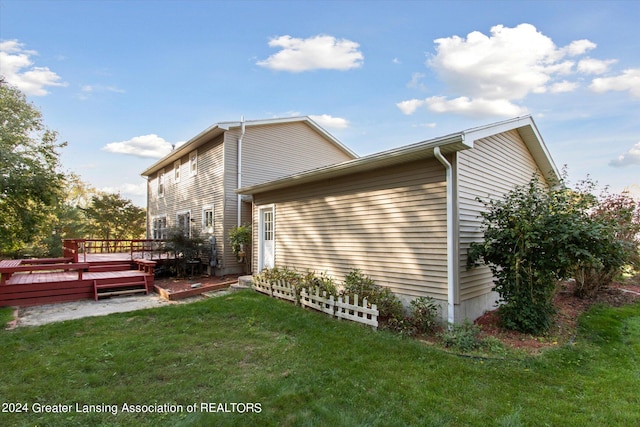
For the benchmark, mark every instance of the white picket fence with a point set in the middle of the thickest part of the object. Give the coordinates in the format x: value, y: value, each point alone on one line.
x: 340, y: 307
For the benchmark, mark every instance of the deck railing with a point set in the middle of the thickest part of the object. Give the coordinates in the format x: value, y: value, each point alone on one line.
x: 137, y: 248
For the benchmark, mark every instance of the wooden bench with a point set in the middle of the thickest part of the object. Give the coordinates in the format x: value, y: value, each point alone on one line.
x: 9, y: 267
x: 145, y: 265
x: 111, y: 289
x: 37, y: 261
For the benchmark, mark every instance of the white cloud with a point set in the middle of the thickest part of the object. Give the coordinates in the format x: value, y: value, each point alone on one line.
x: 594, y: 66
x: 477, y: 107
x: 319, y: 52
x: 425, y: 125
x: 151, y: 146
x: 101, y: 88
x: 631, y: 157
x: 415, y: 82
x: 629, y: 80
x: 509, y: 64
x: 578, y: 47
x: 563, y: 86
x: 18, y: 69
x: 328, y: 121
x: 87, y: 91
x: 410, y: 106
x: 493, y: 71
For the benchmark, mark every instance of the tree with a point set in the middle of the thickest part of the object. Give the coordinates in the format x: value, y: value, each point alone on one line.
x: 537, y: 236
x: 109, y: 216
x: 71, y: 222
x: 30, y: 183
x: 619, y: 214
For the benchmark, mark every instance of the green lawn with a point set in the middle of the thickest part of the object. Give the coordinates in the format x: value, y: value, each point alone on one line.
x: 303, y: 368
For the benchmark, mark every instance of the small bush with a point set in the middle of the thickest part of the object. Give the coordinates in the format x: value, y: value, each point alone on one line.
x: 311, y: 280
x: 402, y: 326
x: 389, y: 306
x: 464, y: 338
x: 424, y: 314
x: 281, y: 273
x: 322, y: 281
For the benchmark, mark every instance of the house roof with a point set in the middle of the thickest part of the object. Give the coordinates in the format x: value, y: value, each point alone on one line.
x: 422, y: 150
x: 219, y: 128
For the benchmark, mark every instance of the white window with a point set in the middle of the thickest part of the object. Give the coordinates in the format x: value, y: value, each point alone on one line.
x: 193, y: 163
x: 161, y: 183
x: 159, y: 227
x: 183, y: 222
x: 268, y: 225
x: 176, y: 170
x: 207, y: 219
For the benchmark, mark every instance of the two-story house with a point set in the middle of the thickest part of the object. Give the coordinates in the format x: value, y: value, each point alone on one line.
x: 193, y: 187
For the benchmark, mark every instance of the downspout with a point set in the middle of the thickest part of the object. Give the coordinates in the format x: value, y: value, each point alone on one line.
x: 242, y: 130
x: 450, y: 248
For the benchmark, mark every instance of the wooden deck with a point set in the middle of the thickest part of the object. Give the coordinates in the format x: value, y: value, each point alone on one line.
x: 103, y: 268
x: 36, y: 288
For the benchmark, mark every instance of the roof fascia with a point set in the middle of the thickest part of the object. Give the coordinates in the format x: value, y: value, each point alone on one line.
x: 529, y: 133
x: 190, y: 145
x: 221, y: 127
x: 305, y: 119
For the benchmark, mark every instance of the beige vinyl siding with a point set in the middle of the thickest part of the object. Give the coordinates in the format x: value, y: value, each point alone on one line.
x: 491, y: 169
x: 192, y: 193
x: 390, y: 223
x: 270, y: 152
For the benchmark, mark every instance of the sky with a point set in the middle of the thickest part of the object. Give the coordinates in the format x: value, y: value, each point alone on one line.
x: 123, y: 81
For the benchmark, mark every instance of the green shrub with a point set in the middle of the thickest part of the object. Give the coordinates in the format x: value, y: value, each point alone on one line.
x: 537, y: 236
x: 389, y: 306
x: 464, y: 338
x: 402, y: 326
x: 424, y: 314
x: 322, y: 282
x: 281, y: 273
x: 311, y: 280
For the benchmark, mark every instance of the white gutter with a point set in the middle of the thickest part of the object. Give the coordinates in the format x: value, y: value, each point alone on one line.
x: 240, y: 170
x: 450, y: 248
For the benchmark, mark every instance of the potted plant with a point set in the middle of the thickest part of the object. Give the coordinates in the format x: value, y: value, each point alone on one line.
x: 240, y: 238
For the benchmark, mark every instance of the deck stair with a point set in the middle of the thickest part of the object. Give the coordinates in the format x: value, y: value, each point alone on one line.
x: 110, y: 266
x: 125, y: 286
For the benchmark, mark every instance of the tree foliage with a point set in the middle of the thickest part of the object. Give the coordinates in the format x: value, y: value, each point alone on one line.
x: 620, y: 215
x: 39, y: 205
x: 109, y: 216
x: 537, y: 235
x: 30, y: 183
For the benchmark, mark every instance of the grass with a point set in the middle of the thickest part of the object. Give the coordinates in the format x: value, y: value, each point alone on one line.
x: 304, y: 368
x: 6, y: 315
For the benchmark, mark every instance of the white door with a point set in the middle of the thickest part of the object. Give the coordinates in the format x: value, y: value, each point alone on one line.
x: 267, y: 239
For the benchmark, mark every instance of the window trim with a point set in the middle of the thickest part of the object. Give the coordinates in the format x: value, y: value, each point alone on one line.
x: 208, y: 228
x: 159, y: 233
x: 193, y: 163
x: 177, y: 165
x: 190, y: 217
x: 161, y: 183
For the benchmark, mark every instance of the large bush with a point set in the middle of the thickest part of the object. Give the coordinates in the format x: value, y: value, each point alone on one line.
x: 620, y: 216
x: 537, y: 235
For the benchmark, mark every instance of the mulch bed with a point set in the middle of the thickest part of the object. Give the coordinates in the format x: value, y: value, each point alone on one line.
x: 569, y: 308
x: 175, y: 289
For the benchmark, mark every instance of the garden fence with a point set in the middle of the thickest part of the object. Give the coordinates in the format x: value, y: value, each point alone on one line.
x: 339, y: 307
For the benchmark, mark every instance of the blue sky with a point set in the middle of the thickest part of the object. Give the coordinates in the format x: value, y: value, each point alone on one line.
x: 123, y: 80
